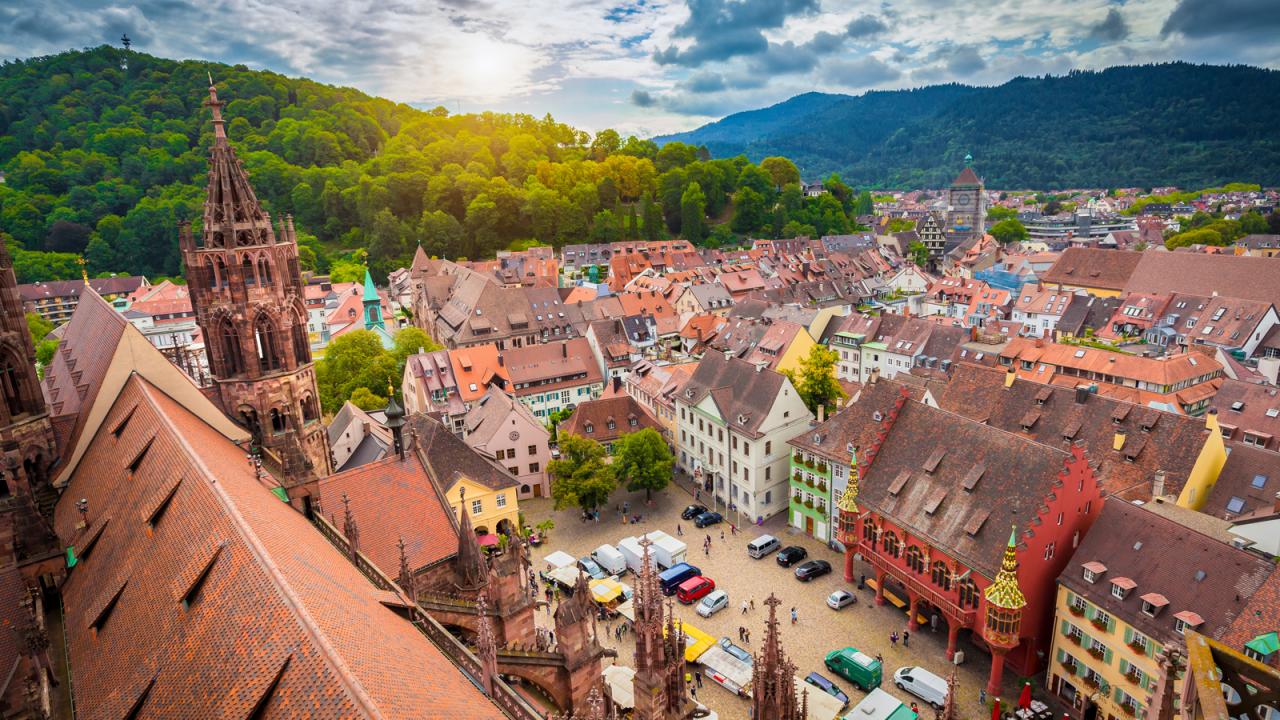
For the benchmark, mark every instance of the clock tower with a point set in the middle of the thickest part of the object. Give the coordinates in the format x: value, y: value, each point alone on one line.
x: 967, y: 201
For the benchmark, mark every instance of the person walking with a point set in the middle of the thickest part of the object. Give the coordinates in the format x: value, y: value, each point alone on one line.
x: 893, y: 638
x: 933, y: 622
x: 722, y: 534
x: 906, y: 638
x: 753, y: 602
x: 698, y: 677
x: 706, y: 550
x: 747, y: 636
x: 794, y: 617
x: 744, y: 607
x: 679, y: 530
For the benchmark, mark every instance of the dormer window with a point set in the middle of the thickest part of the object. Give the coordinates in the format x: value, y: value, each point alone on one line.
x: 1153, y: 603
x: 1120, y: 587
x: 589, y: 428
x: 1092, y: 570
x: 1186, y: 620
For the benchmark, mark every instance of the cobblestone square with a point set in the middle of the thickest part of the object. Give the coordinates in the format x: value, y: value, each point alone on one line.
x: 818, y: 630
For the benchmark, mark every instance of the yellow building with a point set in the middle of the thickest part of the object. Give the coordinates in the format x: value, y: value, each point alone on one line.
x: 1204, y: 474
x: 492, y: 510
x: 1139, y: 581
x: 468, y: 479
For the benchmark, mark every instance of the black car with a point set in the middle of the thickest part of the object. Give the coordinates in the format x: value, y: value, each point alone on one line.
x: 692, y: 512
x: 789, y: 556
x: 707, y: 519
x: 812, y: 569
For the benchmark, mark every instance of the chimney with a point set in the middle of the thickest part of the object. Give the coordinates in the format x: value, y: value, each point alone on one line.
x: 1010, y: 376
x: 1211, y: 419
x: 822, y: 412
x: 564, y: 349
x: 1117, y: 441
x: 1082, y: 394
x: 501, y: 360
x: 1157, y: 486
x: 760, y: 366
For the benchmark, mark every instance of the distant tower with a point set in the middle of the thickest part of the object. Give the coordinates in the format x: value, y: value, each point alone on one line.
x: 967, y: 201
x: 773, y: 681
x: 847, y: 504
x: 372, y: 305
x: 124, y: 59
x: 659, y: 687
x: 247, y: 293
x: 1004, y: 613
x: 26, y: 434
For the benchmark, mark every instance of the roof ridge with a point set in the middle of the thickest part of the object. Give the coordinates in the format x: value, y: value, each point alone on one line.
x: 255, y: 546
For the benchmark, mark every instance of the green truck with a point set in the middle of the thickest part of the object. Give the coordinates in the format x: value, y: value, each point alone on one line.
x: 880, y: 705
x: 855, y: 666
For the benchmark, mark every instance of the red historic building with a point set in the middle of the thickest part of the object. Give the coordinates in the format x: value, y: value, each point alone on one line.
x: 247, y: 293
x: 930, y: 506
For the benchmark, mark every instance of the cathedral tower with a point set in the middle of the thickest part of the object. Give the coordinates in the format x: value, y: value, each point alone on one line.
x: 26, y: 434
x: 246, y: 289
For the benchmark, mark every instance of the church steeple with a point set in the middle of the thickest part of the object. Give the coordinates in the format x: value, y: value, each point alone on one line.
x: 372, y: 304
x: 247, y: 292
x: 773, y: 685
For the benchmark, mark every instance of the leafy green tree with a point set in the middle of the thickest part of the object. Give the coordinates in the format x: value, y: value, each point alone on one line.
x: 633, y: 223
x: 919, y: 253
x: 344, y: 271
x: 1253, y: 223
x: 606, y: 143
x: 1007, y: 231
x: 441, y: 234
x: 651, y: 213
x: 366, y: 399
x: 580, y: 477
x: 996, y: 213
x: 642, y: 461
x: 606, y: 227
x: 863, y: 205
x: 816, y: 381
x: 719, y: 237
x: 749, y: 211
x: 1199, y: 236
x: 354, y: 360
x: 781, y: 171
x: 693, y: 206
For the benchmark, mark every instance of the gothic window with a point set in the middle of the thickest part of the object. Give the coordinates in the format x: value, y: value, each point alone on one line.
x: 249, y: 418
x: 250, y: 278
x: 915, y: 559
x: 11, y: 385
x: 890, y: 544
x: 232, y: 360
x: 277, y: 421
x: 967, y: 589
x: 869, y: 532
x: 264, y: 337
x: 220, y: 272
x: 940, y: 575
x: 301, y: 347
x: 309, y: 413
x: 264, y: 272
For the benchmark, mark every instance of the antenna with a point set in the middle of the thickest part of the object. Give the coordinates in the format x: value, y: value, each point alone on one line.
x: 124, y: 39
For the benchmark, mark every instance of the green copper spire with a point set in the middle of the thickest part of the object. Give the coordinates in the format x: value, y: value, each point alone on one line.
x: 372, y: 305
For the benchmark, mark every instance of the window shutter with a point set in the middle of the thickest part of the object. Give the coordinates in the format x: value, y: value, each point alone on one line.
x: 1124, y: 666
x: 1066, y: 627
x: 1128, y: 635
x: 1071, y: 598
x: 1151, y: 648
x: 1061, y: 655
x: 1106, y: 656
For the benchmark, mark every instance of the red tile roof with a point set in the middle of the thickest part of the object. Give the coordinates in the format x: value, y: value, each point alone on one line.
x: 219, y: 598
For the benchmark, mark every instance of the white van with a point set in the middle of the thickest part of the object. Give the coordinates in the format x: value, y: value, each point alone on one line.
x: 923, y: 684
x: 762, y: 546
x: 608, y: 557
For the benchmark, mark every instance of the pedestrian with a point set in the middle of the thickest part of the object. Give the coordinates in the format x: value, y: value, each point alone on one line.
x: 697, y: 495
x: 733, y: 529
x: 744, y: 607
x: 982, y: 697
x: 915, y: 710
x: 706, y: 550
x: 708, y: 539
x: 626, y: 507
x: 893, y: 638
x: 694, y: 692
x: 933, y: 622
x: 794, y: 617
x: 551, y: 637
x: 753, y: 602
x: 906, y: 638
x: 679, y: 530
x: 741, y: 633
x: 698, y: 677
x: 688, y: 678
x: 748, y: 634
x: 721, y: 533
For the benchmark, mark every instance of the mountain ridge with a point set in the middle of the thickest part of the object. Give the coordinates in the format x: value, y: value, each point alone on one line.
x: 1162, y: 124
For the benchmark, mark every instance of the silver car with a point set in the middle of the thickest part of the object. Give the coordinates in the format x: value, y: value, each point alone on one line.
x: 840, y: 599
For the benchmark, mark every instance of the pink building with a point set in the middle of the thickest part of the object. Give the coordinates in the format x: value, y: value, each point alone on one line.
x: 504, y: 429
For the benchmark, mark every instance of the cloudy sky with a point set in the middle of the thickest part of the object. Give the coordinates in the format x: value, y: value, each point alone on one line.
x: 653, y: 66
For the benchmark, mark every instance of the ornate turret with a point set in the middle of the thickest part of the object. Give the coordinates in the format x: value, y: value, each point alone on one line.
x: 847, y: 506
x: 659, y: 657
x: 247, y: 293
x: 395, y: 422
x: 372, y: 304
x: 470, y: 567
x: 773, y: 676
x: 1004, y: 612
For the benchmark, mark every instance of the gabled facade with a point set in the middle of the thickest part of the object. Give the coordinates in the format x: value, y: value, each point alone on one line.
x: 501, y: 428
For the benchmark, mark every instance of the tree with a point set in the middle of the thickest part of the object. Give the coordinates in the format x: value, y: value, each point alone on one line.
x: 441, y: 234
x: 651, y: 216
x: 749, y: 211
x: 580, y: 476
x: 352, y: 361
x: 816, y: 379
x: 781, y: 170
x: 919, y: 253
x: 345, y: 271
x: 1007, y: 231
x: 996, y: 213
x: 693, y: 204
x: 643, y: 461
x: 864, y: 205
x: 39, y: 327
x: 365, y: 399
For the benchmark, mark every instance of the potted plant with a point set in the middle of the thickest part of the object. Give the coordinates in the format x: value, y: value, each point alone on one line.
x: 822, y: 486
x: 797, y: 458
x: 1097, y: 652
x: 1138, y: 646
x: 1074, y: 638
x: 822, y: 468
x: 1129, y: 709
x: 1091, y: 681
x: 1133, y: 677
x: 799, y: 476
x: 1099, y: 623
x: 1075, y: 610
x: 808, y: 503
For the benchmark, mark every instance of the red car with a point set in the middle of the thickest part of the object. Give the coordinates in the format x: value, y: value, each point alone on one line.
x: 694, y: 589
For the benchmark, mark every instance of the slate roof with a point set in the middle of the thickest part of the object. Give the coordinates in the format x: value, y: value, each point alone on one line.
x: 1058, y: 416
x: 119, y: 285
x: 1246, y: 277
x: 393, y: 499
x: 1095, y: 267
x: 1249, y: 408
x: 1249, y: 482
x: 1086, y: 311
x: 624, y: 411
x: 1204, y: 575
x: 741, y: 391
x: 199, y: 593
x: 1260, y: 615
x: 449, y: 459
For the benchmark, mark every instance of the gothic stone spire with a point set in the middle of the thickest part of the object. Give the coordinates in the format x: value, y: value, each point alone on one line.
x: 773, y: 690
x: 650, y: 687
x: 471, y: 568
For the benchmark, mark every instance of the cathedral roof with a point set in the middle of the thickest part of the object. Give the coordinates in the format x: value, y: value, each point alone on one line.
x: 966, y: 177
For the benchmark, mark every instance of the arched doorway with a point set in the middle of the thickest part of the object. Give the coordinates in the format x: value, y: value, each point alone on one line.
x: 506, y: 528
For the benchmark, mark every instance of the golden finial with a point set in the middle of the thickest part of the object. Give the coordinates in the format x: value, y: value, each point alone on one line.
x: 848, y: 501
x: 83, y: 272
x: 1003, y: 592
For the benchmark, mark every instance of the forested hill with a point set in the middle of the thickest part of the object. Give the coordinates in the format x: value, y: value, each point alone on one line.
x: 1169, y: 124
x: 104, y: 161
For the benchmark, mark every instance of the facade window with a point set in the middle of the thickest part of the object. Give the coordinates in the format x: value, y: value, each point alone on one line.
x: 500, y: 500
x: 967, y: 592
x: 533, y: 449
x: 1102, y: 619
x: 940, y: 575
x: 768, y: 471
x: 1089, y: 576
x: 768, y: 494
x: 915, y: 559
x: 1179, y: 626
x: 1117, y: 591
x: 890, y: 544
x: 768, y: 448
x: 534, y: 467
x: 477, y: 507
x: 1078, y: 603
x: 513, y: 470
x: 1048, y: 551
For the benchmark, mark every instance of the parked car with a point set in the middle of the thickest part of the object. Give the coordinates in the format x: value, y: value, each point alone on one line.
x: 695, y: 589
x: 791, y: 555
x: 855, y: 666
x: 840, y: 599
x: 762, y: 546
x: 592, y: 568
x: 827, y: 687
x: 734, y: 650
x: 693, y: 511
x: 708, y: 519
x: 713, y: 603
x: 672, y: 578
x: 812, y: 569
x: 922, y: 683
